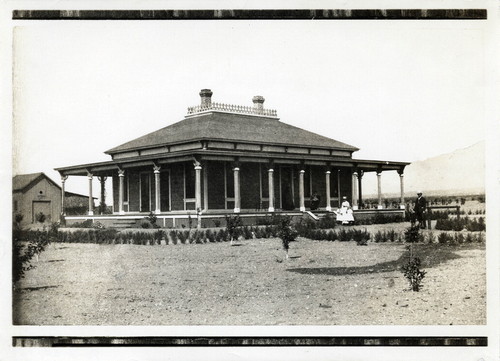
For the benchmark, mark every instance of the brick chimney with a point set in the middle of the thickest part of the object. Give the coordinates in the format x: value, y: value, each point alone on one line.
x: 206, y: 97
x: 258, y: 103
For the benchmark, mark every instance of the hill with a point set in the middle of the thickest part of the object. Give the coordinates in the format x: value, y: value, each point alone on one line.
x: 459, y: 172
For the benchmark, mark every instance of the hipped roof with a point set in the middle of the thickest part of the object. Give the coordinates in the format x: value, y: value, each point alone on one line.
x: 233, y: 127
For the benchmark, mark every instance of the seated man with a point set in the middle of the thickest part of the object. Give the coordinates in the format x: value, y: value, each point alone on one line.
x: 315, y: 199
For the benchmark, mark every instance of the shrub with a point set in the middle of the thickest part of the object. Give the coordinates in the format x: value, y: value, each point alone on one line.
x: 392, y: 235
x: 85, y: 224
x: 412, y: 234
x: 217, y: 223
x: 173, y: 236
x: 361, y: 237
x: 232, y: 224
x: 286, y: 232
x: 198, y: 237
x: 443, y: 238
x: 344, y: 236
x: 327, y: 222
x: 40, y: 217
x: 119, y: 239
x: 18, y: 218
x: 332, y: 236
x: 145, y: 224
x: 247, y: 232
x: 413, y: 273
x: 219, y: 237
x: 23, y: 251
x: 210, y: 236
x: 158, y: 236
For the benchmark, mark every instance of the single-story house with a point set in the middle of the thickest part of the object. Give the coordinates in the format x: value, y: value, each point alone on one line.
x: 36, y: 197
x: 224, y: 159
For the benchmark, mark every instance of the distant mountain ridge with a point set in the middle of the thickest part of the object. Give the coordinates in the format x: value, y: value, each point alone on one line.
x: 459, y: 172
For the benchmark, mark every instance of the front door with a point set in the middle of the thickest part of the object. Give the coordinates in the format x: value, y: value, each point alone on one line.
x: 39, y: 208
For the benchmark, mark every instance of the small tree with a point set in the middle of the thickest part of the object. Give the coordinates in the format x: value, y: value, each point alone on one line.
x: 411, y: 269
x: 232, y: 224
x: 286, y: 232
x: 413, y: 273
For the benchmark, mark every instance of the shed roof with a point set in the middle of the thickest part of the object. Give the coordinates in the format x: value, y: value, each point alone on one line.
x: 234, y: 127
x: 23, y: 182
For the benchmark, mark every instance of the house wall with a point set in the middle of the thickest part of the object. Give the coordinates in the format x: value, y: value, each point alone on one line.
x: 43, y: 196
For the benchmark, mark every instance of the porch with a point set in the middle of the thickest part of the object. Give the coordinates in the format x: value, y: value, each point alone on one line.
x: 217, y: 218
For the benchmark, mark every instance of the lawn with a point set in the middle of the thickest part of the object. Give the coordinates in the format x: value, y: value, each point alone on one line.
x: 251, y: 283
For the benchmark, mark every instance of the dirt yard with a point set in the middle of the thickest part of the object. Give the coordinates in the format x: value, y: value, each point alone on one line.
x: 322, y: 283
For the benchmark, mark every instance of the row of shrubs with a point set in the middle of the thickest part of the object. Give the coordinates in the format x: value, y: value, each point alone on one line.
x: 361, y: 237
x: 459, y: 224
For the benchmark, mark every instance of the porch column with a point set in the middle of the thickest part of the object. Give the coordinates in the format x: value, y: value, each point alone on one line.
x: 327, y: 182
x: 63, y: 181
x: 360, y: 191
x: 355, y: 190
x: 102, y: 201
x: 338, y: 189
x: 301, y: 190
x: 156, y: 170
x: 91, y: 199
x: 270, y: 173
x: 197, y: 169
x: 121, y: 175
x: 379, y: 189
x: 401, y: 184
x: 237, y: 200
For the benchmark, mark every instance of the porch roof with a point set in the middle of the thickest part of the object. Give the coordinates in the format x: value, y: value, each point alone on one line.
x: 110, y: 167
x: 217, y: 125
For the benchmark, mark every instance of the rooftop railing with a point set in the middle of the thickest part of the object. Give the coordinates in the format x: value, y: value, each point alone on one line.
x: 232, y: 109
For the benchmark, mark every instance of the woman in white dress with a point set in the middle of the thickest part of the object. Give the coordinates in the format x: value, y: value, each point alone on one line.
x: 344, y: 214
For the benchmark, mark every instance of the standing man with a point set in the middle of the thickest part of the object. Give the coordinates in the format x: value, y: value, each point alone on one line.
x: 420, y: 209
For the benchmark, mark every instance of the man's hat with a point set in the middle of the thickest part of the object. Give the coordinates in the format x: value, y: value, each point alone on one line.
x: 419, y: 192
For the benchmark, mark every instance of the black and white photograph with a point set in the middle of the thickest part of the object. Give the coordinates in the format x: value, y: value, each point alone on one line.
x: 323, y: 173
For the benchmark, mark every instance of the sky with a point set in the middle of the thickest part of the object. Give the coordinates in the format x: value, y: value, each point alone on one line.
x: 398, y: 90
